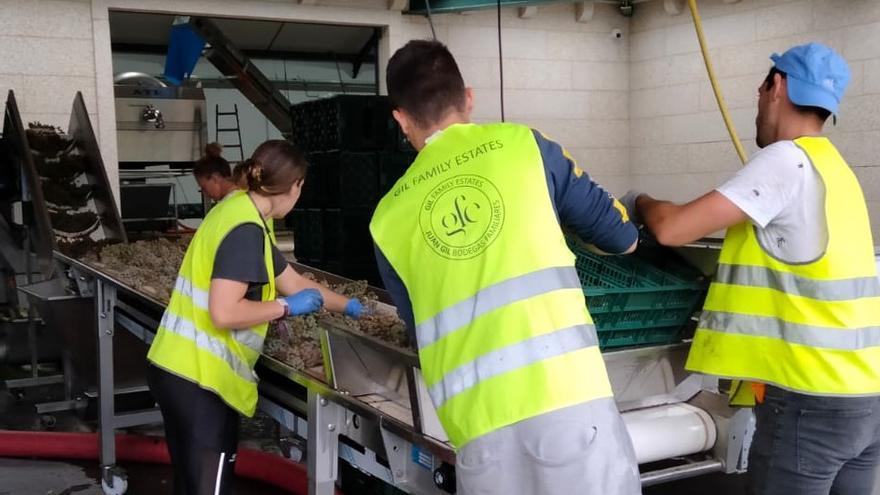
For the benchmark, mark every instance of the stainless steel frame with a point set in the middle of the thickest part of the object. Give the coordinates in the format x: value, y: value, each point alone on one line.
x: 387, y: 418
x: 102, y: 201
x: 179, y: 138
x: 300, y: 394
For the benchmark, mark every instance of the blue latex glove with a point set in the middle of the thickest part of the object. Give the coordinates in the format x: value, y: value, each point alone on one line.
x: 354, y: 308
x: 304, y: 302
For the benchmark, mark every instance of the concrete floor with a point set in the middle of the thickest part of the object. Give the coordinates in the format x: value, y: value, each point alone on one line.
x: 39, y: 477
x: 54, y: 477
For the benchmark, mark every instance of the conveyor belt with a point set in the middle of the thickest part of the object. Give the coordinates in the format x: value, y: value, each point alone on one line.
x: 378, y: 420
x: 139, y: 313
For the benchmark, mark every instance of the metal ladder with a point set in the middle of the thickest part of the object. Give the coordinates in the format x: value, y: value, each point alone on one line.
x: 236, y: 129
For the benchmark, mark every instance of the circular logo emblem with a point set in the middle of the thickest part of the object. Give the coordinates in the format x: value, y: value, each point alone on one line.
x: 462, y: 216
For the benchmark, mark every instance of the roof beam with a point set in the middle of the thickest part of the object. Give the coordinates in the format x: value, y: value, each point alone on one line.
x: 446, y: 6
x: 364, y: 52
x: 255, y: 54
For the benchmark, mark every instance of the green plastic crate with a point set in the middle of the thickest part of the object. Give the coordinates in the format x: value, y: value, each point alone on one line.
x: 639, y: 299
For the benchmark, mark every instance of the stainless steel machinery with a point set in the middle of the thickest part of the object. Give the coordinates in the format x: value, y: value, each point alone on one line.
x: 244, y: 75
x: 71, y: 209
x: 161, y: 132
x: 369, y: 406
x: 157, y: 124
x: 66, y: 202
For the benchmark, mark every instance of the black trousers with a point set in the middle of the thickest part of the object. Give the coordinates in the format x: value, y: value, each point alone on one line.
x: 201, y: 432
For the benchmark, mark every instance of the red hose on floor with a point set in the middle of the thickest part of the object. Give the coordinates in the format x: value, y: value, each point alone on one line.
x: 253, y: 464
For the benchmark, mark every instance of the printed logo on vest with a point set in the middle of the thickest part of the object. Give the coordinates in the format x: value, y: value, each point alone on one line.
x: 462, y: 216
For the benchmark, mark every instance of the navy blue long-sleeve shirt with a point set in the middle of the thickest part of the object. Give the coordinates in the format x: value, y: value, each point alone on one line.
x: 582, y: 207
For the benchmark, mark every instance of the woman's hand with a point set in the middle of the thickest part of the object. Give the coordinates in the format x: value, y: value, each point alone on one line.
x: 291, y: 282
x: 303, y: 302
x: 354, y: 308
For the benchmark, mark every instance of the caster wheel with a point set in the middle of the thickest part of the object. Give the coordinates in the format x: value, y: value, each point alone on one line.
x: 120, y: 485
x: 444, y: 478
x: 293, y: 449
x: 48, y: 421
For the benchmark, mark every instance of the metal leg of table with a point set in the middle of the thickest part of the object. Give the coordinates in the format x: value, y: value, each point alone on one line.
x: 105, y: 302
x: 323, y: 444
x: 34, y: 380
x: 32, y: 340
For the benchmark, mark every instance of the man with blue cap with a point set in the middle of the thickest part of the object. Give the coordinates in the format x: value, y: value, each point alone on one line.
x: 792, y: 317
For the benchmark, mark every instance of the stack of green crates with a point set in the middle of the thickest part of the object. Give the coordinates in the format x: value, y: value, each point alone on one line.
x: 647, y: 298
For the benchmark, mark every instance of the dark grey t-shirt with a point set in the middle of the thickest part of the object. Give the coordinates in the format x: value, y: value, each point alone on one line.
x: 240, y: 258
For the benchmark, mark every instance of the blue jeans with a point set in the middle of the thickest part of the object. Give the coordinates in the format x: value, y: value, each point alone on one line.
x: 810, y: 445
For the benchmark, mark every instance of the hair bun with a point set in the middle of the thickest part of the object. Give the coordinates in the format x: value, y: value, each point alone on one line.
x: 214, y: 149
x: 255, y: 172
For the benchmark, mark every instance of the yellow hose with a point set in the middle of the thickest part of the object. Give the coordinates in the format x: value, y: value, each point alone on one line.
x: 698, y: 25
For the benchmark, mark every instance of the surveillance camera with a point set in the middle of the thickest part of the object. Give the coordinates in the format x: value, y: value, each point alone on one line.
x: 616, y: 34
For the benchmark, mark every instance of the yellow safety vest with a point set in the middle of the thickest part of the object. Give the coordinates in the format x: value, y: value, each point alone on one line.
x: 812, y: 328
x: 502, y: 327
x: 188, y: 344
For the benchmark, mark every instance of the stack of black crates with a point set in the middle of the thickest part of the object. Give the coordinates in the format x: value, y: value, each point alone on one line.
x: 356, y: 153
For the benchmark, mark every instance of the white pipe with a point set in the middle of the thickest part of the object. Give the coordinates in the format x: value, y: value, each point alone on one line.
x: 669, y: 431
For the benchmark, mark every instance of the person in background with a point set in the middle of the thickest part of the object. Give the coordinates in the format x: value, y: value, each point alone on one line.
x: 792, y: 315
x: 232, y: 282
x: 470, y: 245
x: 214, y: 174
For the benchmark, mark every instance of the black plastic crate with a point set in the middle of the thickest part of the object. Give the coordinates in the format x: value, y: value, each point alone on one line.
x: 308, y: 234
x: 392, y: 166
x: 347, y: 235
x: 349, y: 179
x: 349, y: 122
x: 342, y: 179
x: 312, y: 192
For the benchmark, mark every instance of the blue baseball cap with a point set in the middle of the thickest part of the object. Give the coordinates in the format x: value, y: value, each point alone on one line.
x: 817, y: 76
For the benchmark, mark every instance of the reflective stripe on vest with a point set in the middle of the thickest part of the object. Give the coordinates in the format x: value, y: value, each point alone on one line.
x: 494, y: 297
x: 813, y: 328
x: 501, y: 322
x: 248, y: 337
x: 846, y: 339
x: 187, y: 329
x: 510, y: 358
x: 825, y: 290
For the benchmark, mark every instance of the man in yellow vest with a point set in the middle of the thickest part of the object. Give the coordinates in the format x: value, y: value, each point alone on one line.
x: 470, y: 245
x: 793, y: 316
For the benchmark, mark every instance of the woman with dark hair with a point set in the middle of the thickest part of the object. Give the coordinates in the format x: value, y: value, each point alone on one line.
x: 214, y: 174
x: 202, y: 360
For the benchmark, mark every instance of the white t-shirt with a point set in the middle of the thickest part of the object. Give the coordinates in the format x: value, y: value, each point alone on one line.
x: 783, y: 194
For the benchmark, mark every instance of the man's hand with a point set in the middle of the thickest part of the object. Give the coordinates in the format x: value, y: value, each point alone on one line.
x: 676, y: 225
x: 629, y: 202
